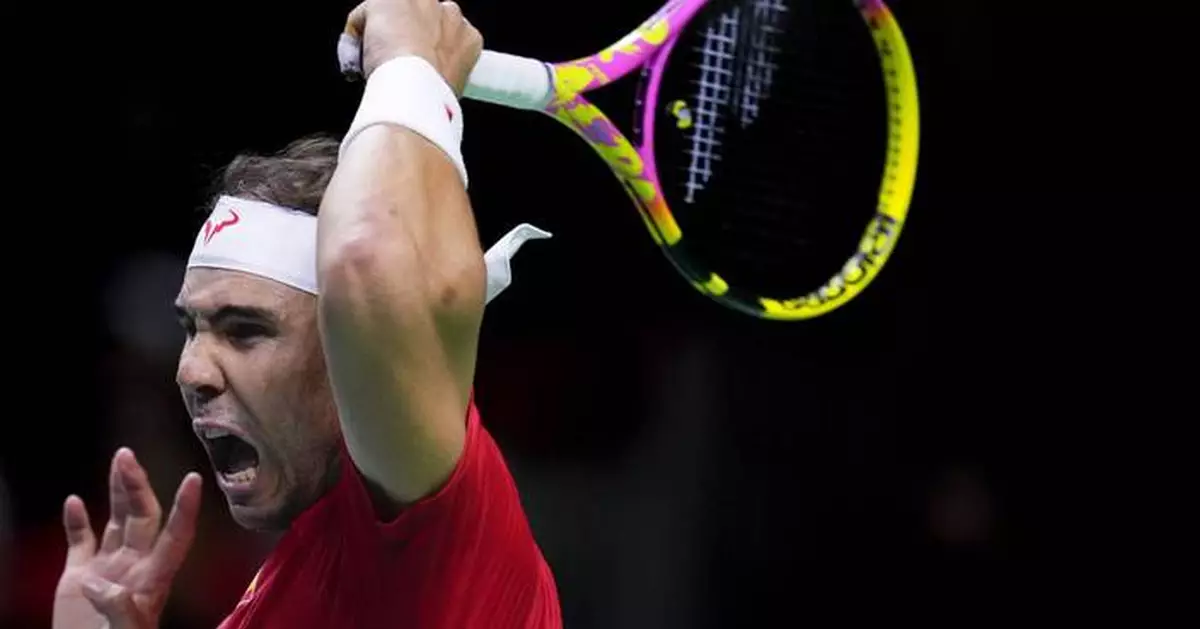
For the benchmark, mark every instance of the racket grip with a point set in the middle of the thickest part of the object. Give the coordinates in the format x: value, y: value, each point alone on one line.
x: 510, y: 81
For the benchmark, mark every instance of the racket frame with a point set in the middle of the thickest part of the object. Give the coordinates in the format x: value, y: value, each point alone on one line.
x: 561, y: 95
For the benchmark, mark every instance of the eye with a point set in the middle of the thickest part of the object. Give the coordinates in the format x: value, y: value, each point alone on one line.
x: 243, y: 331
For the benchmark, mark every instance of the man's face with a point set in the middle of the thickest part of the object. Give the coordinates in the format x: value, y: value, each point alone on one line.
x: 253, y: 378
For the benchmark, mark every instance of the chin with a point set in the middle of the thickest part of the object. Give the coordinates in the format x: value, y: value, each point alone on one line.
x: 261, y: 500
x: 266, y: 511
x: 261, y: 519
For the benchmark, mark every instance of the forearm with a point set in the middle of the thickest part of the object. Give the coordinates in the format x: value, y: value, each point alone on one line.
x: 401, y: 297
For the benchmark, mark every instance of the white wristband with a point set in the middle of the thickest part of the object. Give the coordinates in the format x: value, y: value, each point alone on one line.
x: 410, y: 92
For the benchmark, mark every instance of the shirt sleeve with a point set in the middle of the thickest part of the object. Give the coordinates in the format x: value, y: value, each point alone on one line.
x: 463, y: 556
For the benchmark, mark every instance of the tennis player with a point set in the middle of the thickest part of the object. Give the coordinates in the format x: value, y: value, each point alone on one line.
x: 332, y: 304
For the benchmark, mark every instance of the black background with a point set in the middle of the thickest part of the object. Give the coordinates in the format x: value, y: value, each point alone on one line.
x: 683, y: 465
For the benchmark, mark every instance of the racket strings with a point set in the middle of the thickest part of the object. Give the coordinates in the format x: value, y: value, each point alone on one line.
x: 736, y: 69
x: 712, y: 96
x: 757, y: 51
x: 780, y: 167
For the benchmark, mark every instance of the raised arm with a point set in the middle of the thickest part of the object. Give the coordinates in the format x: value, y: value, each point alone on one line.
x: 399, y: 262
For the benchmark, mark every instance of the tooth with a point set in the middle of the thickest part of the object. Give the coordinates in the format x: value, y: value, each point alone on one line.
x: 244, y: 476
x: 213, y: 432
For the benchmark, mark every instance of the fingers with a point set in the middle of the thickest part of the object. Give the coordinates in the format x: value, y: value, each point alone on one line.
x: 113, y: 601
x: 172, y: 546
x: 144, y: 516
x: 134, y: 512
x: 451, y: 12
x: 453, y: 21
x: 81, y: 541
x: 468, y: 44
x: 118, y: 507
x: 356, y: 20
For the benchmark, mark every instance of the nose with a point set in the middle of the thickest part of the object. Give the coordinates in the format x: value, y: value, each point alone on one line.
x: 199, y: 376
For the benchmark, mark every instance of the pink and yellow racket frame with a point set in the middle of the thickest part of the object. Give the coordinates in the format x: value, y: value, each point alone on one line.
x: 558, y: 90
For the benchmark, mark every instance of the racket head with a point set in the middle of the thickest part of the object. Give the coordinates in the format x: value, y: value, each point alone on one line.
x: 630, y: 53
x: 649, y: 49
x: 632, y: 164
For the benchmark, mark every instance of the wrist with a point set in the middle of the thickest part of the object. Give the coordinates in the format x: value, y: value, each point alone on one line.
x: 408, y: 91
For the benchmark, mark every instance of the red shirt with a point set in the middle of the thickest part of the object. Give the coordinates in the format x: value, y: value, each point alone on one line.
x: 462, y: 558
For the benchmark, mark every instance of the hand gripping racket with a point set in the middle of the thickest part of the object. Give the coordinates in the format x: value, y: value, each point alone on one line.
x: 761, y: 130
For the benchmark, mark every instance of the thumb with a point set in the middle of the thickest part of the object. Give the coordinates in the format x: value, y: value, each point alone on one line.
x: 356, y: 21
x: 349, y: 48
x: 114, y: 602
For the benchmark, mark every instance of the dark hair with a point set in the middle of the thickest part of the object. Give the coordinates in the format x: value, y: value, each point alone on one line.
x: 294, y: 177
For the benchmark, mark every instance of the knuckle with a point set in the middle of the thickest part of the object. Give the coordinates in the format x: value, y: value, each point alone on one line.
x: 125, y: 555
x: 113, y: 593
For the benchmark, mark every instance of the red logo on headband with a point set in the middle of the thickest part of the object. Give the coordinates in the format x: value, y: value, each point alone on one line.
x: 449, y: 113
x: 212, y: 229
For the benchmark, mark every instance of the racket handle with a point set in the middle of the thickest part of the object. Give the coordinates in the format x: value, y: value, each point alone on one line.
x: 510, y: 81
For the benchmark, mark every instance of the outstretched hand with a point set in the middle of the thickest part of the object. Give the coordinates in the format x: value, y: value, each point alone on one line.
x: 124, y: 583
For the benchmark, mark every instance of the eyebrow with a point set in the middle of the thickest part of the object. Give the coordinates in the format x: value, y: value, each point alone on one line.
x: 224, y: 313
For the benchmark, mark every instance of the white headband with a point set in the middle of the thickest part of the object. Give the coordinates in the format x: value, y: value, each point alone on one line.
x: 281, y: 244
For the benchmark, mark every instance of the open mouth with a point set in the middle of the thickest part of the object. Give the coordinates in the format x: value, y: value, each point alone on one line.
x: 233, y: 458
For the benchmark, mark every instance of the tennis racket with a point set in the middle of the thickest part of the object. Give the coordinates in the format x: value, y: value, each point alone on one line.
x: 763, y: 138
